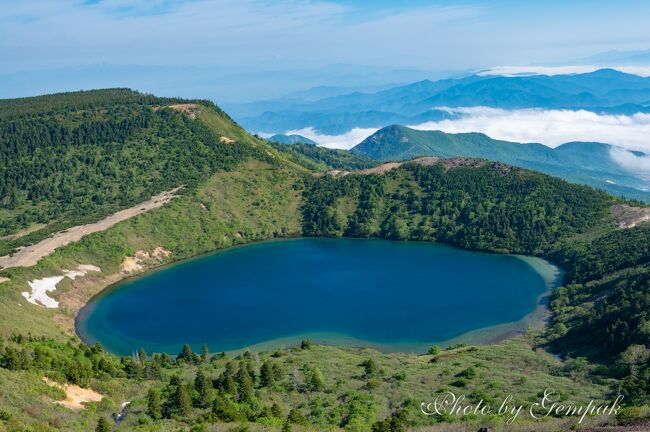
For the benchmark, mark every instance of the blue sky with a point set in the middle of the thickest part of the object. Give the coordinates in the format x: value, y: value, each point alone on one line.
x: 244, y: 36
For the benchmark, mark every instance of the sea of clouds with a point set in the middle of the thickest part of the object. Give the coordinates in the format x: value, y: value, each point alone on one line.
x: 548, y: 127
x: 345, y: 141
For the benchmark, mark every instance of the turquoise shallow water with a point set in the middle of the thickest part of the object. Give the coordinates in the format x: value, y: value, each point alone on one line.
x: 396, y: 296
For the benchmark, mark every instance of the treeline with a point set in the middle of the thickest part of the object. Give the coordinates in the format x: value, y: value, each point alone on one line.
x: 80, y: 100
x: 483, y: 208
x: 90, y: 153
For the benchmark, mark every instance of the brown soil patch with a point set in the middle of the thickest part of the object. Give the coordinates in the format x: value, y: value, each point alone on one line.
x: 143, y: 259
x: 226, y: 140
x: 130, y: 265
x: 380, y: 169
x: 627, y: 216
x: 76, y: 396
x: 447, y: 163
x: 192, y: 110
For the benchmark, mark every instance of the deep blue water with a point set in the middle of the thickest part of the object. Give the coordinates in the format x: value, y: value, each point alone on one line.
x: 373, y: 292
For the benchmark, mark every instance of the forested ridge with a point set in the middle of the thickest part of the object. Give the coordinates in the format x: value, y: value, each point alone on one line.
x: 90, y: 153
x: 486, y: 208
x: 321, y: 158
x: 76, y: 156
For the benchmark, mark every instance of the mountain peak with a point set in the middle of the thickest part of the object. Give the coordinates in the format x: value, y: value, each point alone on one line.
x: 607, y: 73
x: 291, y: 139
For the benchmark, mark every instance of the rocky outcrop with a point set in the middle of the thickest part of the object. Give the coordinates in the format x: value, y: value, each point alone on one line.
x: 627, y: 216
x: 143, y: 259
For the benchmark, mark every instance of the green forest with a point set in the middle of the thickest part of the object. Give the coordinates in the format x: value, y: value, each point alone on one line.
x: 71, y: 163
x: 76, y: 157
x: 321, y: 159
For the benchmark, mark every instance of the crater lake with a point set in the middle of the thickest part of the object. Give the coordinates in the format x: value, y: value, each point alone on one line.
x: 393, y: 296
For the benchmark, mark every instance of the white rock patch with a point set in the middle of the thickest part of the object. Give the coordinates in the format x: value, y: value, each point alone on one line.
x: 73, y: 274
x: 89, y: 267
x: 40, y: 287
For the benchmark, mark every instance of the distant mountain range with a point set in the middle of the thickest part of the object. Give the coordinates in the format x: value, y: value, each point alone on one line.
x: 602, y: 91
x: 291, y: 139
x: 635, y: 58
x: 578, y: 162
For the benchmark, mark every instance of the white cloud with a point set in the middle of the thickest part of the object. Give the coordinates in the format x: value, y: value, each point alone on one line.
x: 345, y: 141
x: 511, y: 71
x: 631, y: 162
x: 549, y: 127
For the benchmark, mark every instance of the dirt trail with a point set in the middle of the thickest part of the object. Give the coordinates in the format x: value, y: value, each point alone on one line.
x: 30, y: 255
x: 447, y: 163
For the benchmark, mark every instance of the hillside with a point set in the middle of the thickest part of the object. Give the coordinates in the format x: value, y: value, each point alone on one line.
x: 585, y: 163
x: 240, y: 189
x: 291, y: 139
x: 77, y: 157
x: 322, y: 159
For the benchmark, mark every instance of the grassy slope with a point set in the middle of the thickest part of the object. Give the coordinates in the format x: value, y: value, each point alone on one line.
x: 402, y: 382
x: 405, y: 381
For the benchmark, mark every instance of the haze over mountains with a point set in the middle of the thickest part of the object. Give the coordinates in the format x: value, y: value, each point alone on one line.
x: 605, y: 91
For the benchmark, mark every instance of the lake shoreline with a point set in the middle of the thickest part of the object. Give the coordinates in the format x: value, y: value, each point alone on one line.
x: 551, y: 274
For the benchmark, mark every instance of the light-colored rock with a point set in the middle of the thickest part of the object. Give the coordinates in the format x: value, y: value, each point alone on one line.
x: 160, y: 253
x: 130, y: 265
x: 89, y: 268
x: 73, y: 274
x: 627, y: 216
x: 141, y: 259
x: 76, y: 396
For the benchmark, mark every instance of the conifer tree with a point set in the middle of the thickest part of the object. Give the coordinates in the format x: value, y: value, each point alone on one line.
x: 203, y: 387
x: 103, y: 425
x: 205, y: 353
x: 245, y: 385
x: 154, y: 407
x: 183, y: 400
x: 267, y: 374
